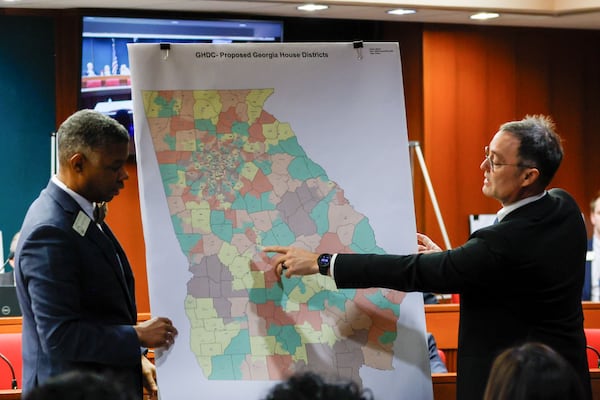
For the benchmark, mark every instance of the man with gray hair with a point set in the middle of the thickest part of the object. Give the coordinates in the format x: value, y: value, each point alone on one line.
x: 519, y: 280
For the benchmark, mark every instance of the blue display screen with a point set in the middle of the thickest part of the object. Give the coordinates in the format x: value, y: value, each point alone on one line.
x: 105, y: 82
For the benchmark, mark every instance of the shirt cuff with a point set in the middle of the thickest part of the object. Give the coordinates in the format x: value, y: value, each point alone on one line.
x: 331, y: 264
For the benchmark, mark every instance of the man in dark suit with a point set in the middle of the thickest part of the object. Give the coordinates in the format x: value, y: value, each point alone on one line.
x: 520, y: 279
x: 591, y: 284
x: 74, y: 283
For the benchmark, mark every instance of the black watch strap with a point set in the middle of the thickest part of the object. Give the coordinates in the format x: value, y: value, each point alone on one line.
x: 324, y: 263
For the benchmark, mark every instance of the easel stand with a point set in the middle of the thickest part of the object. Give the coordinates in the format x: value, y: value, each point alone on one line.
x: 417, y: 148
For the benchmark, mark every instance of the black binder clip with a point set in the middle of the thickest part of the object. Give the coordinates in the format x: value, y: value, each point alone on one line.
x: 358, y: 46
x: 165, y: 47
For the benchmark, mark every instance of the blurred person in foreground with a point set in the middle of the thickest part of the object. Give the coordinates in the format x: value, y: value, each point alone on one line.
x: 519, y: 279
x: 79, y: 385
x: 311, y: 386
x: 532, y: 371
x: 74, y: 283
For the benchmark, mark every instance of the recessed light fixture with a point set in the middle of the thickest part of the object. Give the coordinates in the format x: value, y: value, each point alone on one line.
x: 485, y: 15
x: 312, y: 7
x: 401, y: 11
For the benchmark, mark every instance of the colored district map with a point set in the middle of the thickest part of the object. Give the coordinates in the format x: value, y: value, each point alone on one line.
x: 236, y: 179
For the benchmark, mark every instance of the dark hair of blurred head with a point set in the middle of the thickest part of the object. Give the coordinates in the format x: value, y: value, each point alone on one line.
x: 78, y: 385
x: 310, y: 386
x: 532, y: 371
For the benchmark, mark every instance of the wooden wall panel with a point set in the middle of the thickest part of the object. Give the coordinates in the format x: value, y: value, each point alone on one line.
x: 460, y: 72
x: 125, y: 219
x: 68, y: 62
x: 439, y: 77
x: 590, y: 142
x: 408, y: 37
x: 474, y: 80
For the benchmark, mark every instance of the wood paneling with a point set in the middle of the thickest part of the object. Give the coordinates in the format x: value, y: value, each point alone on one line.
x: 475, y: 79
x: 444, y: 385
x: 442, y: 321
x: 125, y: 219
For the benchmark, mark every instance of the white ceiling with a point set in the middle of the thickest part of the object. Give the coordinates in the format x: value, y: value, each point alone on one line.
x: 582, y: 14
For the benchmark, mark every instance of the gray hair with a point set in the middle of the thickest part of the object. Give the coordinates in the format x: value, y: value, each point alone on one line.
x: 540, y: 145
x: 88, y: 130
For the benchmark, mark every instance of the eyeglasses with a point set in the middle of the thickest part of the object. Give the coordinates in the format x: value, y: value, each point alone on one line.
x: 494, y: 164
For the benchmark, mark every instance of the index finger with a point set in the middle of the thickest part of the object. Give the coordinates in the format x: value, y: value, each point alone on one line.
x: 276, y: 249
x: 423, y: 238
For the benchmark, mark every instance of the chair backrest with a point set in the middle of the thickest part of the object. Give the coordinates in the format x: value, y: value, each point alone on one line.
x: 592, y: 337
x: 442, y: 355
x: 10, y: 347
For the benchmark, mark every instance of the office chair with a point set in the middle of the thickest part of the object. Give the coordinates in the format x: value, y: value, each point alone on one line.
x: 592, y: 337
x: 10, y: 360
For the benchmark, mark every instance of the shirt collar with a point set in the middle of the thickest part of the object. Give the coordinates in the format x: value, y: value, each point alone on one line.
x: 504, y: 211
x: 84, y: 203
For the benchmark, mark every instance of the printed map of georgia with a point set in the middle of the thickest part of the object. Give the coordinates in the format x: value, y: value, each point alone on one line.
x: 236, y: 179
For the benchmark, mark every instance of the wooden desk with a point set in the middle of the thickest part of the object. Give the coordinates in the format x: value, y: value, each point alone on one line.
x: 13, y: 324
x: 10, y: 394
x: 10, y: 324
x: 442, y: 321
x: 444, y: 385
x: 16, y: 395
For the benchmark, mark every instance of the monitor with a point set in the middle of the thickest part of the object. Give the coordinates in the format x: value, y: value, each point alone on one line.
x: 9, y: 304
x: 105, y: 82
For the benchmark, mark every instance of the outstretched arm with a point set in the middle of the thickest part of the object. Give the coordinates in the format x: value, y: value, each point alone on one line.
x: 293, y: 260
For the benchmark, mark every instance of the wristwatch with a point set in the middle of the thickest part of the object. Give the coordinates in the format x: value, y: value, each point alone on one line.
x: 324, y: 263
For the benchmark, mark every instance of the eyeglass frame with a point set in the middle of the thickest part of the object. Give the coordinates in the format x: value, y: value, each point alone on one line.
x: 486, y: 152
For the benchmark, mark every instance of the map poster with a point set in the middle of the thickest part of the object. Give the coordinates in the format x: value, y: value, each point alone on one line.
x: 240, y: 146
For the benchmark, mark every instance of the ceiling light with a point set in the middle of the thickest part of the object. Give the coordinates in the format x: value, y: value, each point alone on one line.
x: 312, y: 7
x: 484, y: 15
x: 401, y: 11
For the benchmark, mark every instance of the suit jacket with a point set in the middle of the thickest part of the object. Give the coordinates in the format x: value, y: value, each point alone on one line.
x: 586, y: 293
x: 520, y: 280
x: 77, y: 297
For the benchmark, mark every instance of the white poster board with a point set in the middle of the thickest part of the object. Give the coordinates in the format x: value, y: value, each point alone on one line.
x: 244, y: 145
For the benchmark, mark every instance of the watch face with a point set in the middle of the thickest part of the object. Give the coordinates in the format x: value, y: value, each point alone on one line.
x: 324, y: 259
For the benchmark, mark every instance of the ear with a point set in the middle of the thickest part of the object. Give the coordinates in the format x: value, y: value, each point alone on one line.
x: 531, y: 176
x: 76, y: 162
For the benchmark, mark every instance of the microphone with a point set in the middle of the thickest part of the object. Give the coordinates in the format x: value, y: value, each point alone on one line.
x: 595, y: 351
x: 13, y: 382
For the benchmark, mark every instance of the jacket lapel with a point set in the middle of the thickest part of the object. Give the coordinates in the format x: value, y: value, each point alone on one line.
x: 105, y: 240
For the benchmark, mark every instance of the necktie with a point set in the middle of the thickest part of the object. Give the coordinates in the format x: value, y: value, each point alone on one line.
x: 100, y: 210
